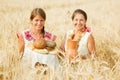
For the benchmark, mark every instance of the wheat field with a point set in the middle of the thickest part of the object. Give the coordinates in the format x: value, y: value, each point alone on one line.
x: 103, y: 18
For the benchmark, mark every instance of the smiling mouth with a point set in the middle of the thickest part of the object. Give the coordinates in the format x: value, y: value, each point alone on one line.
x: 79, y: 26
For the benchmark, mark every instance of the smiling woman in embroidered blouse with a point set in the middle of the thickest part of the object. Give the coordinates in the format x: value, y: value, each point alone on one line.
x: 79, y: 41
x: 37, y: 36
x: 37, y: 31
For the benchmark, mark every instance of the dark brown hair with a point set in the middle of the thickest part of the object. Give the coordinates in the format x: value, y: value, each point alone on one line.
x: 80, y: 11
x: 38, y: 11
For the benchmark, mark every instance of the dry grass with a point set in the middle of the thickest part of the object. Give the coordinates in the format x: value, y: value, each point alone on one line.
x: 103, y: 17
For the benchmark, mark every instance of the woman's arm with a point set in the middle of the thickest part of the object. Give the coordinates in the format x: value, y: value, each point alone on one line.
x: 21, y: 43
x: 91, y: 45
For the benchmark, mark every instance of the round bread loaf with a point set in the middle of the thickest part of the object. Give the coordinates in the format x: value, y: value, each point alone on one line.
x: 50, y: 44
x: 39, y: 43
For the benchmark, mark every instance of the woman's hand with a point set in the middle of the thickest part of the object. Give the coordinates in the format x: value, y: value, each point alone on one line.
x: 21, y: 43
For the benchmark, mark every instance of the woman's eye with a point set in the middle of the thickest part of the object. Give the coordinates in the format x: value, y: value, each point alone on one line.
x: 36, y: 20
x: 41, y: 20
x: 76, y: 19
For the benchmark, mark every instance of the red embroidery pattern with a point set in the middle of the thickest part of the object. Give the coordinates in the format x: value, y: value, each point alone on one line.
x: 47, y: 36
x: 28, y: 36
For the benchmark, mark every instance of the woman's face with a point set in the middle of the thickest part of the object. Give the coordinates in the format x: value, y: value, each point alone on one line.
x: 79, y: 21
x: 38, y: 22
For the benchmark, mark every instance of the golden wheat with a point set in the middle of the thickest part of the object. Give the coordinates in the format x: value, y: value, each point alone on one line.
x: 103, y: 17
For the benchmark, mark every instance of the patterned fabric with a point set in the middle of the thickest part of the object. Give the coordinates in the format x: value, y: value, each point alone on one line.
x: 47, y: 36
x: 28, y: 38
x: 28, y: 35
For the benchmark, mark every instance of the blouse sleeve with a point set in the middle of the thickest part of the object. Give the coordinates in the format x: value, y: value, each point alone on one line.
x: 49, y: 36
